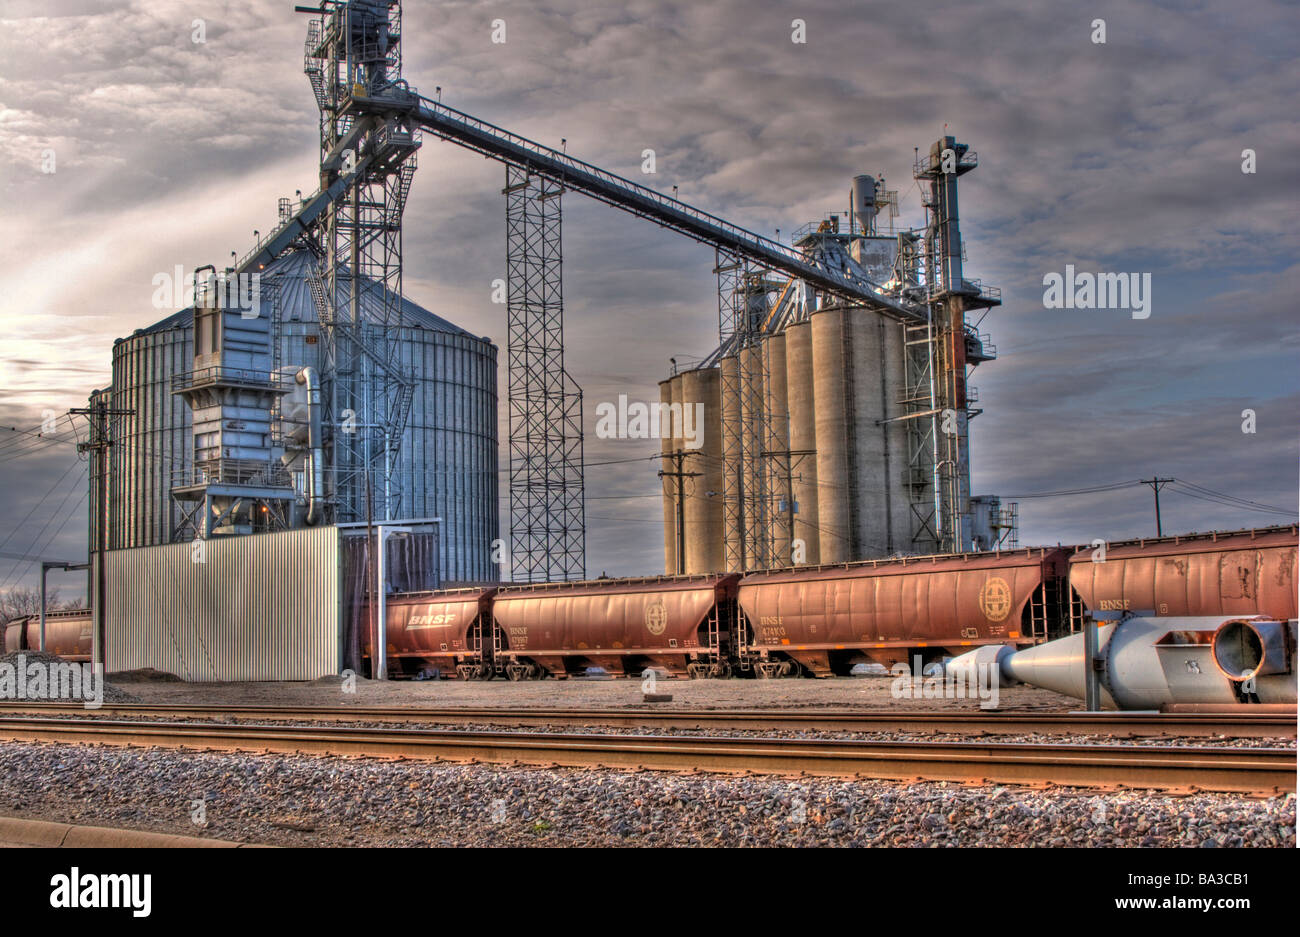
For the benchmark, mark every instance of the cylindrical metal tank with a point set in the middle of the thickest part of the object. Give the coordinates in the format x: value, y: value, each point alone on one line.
x: 777, y: 464
x: 447, y: 465
x: 733, y: 469
x: 803, y: 439
x: 864, y: 202
x: 153, y: 443
x: 666, y: 465
x: 835, y: 501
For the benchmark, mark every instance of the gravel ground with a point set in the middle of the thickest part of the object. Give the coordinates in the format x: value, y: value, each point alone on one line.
x: 597, y: 729
x: 301, y: 800
x: 24, y: 659
x: 864, y: 692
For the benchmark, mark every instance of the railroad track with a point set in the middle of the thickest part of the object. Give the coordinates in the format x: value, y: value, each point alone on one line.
x: 1247, y: 771
x: 1115, y: 724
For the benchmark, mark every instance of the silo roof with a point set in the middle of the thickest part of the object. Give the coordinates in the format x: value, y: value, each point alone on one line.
x: 290, y: 271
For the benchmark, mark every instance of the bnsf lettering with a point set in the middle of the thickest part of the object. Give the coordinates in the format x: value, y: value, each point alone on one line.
x: 418, y: 621
x: 1114, y: 605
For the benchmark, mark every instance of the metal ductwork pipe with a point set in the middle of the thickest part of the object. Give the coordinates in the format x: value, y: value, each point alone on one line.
x: 1245, y: 649
x: 316, y: 469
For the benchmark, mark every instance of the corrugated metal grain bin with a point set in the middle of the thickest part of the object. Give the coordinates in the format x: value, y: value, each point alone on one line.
x: 264, y: 607
x: 446, y: 466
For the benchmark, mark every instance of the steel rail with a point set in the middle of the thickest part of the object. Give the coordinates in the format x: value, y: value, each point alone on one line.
x: 1115, y: 724
x: 1245, y: 771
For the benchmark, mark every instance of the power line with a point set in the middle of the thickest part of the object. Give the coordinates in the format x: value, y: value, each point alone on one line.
x: 1232, y: 504
x: 1254, y: 505
x: 49, y: 491
x: 22, y: 570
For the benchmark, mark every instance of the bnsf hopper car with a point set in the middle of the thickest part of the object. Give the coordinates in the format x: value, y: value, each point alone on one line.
x: 1244, y: 572
x: 67, y: 634
x: 435, y: 633
x: 821, y: 621
x: 676, y: 623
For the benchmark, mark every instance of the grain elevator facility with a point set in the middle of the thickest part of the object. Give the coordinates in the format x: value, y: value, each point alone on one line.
x: 837, y: 430
x: 272, y: 462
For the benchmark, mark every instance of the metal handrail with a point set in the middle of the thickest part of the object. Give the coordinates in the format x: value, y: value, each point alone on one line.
x: 232, y: 472
x: 219, y: 374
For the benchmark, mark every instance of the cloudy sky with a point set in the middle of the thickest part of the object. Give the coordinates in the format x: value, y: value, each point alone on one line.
x: 1118, y: 156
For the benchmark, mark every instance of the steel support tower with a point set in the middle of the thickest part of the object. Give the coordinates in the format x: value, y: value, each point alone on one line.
x: 936, y: 393
x: 547, y: 505
x: 742, y: 305
x: 368, y: 140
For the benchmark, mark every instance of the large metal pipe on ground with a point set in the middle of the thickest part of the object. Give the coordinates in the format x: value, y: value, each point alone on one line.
x: 803, y: 439
x: 1150, y: 663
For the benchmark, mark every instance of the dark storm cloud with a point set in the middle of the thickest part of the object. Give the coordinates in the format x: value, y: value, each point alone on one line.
x: 1123, y: 156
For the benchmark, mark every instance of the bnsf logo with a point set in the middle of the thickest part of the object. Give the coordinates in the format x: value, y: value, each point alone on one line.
x: 432, y: 619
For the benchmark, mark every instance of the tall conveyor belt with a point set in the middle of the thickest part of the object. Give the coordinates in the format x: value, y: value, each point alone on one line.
x: 472, y: 133
x: 460, y: 128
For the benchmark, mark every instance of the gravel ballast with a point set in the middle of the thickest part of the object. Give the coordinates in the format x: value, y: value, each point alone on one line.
x: 308, y: 800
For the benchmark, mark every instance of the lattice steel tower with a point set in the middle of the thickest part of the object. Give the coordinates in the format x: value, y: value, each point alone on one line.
x: 547, y: 507
x: 368, y: 140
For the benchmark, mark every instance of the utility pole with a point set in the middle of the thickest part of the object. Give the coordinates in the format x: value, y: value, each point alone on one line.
x: 1156, y: 484
x: 679, y: 458
x: 98, y: 442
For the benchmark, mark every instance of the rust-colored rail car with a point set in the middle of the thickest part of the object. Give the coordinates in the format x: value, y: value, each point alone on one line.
x: 441, y: 633
x: 67, y: 634
x: 1241, y: 572
x: 682, y: 624
x: 824, y: 620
